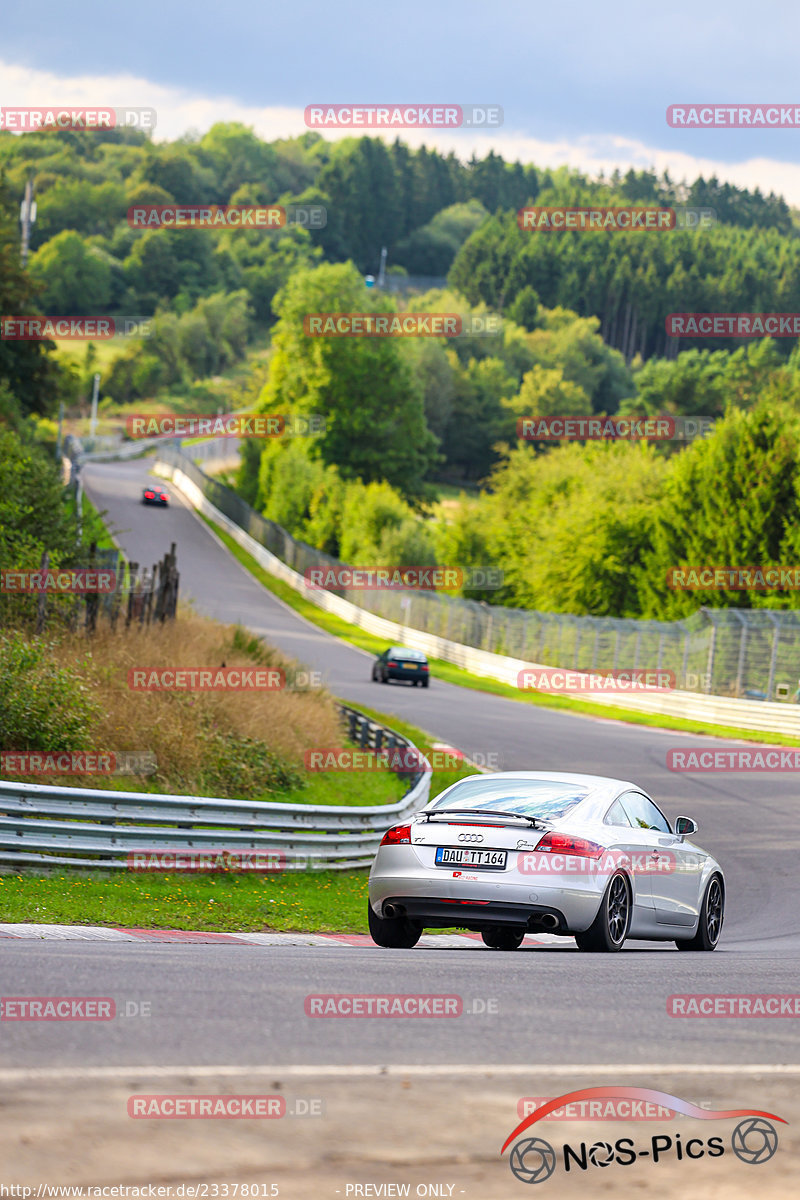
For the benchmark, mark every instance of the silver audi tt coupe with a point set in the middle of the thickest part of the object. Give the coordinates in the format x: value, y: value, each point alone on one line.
x: 527, y: 851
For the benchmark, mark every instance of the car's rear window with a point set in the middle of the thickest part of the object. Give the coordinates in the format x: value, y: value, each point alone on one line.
x: 545, y: 798
x: 409, y: 655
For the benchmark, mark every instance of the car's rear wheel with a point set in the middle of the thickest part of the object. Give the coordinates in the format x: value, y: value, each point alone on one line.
x: 394, y: 933
x: 384, y: 677
x: 609, y: 929
x: 498, y: 938
x: 425, y: 683
x: 709, y: 926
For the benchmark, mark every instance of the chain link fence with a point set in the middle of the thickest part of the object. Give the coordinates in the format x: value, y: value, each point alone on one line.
x: 749, y: 653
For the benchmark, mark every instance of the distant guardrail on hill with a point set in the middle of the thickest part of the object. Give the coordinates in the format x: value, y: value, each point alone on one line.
x: 46, y: 827
x: 744, y: 654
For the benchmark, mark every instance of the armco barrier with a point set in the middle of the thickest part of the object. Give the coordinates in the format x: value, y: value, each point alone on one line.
x: 719, y: 710
x: 43, y: 826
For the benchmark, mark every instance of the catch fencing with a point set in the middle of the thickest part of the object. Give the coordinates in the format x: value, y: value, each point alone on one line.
x: 49, y: 828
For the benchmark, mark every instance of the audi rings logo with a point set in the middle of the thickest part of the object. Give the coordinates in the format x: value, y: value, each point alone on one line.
x: 470, y: 837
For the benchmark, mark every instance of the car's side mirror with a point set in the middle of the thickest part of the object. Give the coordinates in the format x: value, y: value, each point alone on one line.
x: 685, y: 827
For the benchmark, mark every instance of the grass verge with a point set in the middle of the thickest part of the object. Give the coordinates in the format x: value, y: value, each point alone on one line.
x: 330, y: 901
x: 456, y: 675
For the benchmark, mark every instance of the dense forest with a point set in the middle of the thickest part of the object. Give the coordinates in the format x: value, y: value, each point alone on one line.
x: 577, y: 528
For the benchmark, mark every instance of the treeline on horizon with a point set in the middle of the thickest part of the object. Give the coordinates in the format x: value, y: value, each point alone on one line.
x: 578, y: 528
x: 432, y: 212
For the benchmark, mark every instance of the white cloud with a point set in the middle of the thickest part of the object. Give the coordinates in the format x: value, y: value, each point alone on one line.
x: 180, y: 110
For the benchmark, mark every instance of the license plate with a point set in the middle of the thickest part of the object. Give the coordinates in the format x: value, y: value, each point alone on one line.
x: 456, y: 856
x: 412, y: 666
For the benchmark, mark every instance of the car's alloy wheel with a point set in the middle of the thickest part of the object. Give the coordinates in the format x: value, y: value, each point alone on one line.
x: 610, y: 927
x: 393, y: 933
x: 709, y: 927
x: 498, y: 938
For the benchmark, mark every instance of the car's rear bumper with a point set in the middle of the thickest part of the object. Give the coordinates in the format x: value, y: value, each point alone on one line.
x: 399, y: 874
x: 478, y: 915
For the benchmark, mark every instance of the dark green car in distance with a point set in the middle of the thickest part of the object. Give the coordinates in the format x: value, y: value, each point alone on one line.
x: 399, y: 663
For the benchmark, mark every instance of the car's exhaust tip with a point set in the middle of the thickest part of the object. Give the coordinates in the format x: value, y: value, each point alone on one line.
x: 547, y: 920
x: 393, y: 910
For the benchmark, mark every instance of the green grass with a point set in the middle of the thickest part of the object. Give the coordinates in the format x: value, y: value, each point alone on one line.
x: 456, y: 675
x: 373, y: 787
x: 332, y: 901
x: 380, y: 786
x: 106, y: 350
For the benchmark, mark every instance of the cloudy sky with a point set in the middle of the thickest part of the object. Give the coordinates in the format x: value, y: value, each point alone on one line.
x: 583, y: 83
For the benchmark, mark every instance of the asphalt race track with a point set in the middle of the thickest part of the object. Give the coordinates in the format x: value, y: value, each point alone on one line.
x: 550, y: 1003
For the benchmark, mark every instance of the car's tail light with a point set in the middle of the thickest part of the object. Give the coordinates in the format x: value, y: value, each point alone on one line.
x: 425, y: 666
x: 148, y: 495
x: 390, y: 663
x: 400, y: 833
x: 564, y: 843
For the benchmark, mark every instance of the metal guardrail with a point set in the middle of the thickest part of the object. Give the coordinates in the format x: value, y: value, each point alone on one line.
x: 730, y: 652
x: 719, y: 710
x: 57, y: 827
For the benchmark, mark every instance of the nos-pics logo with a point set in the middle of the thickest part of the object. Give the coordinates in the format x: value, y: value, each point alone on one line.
x: 533, y: 1160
